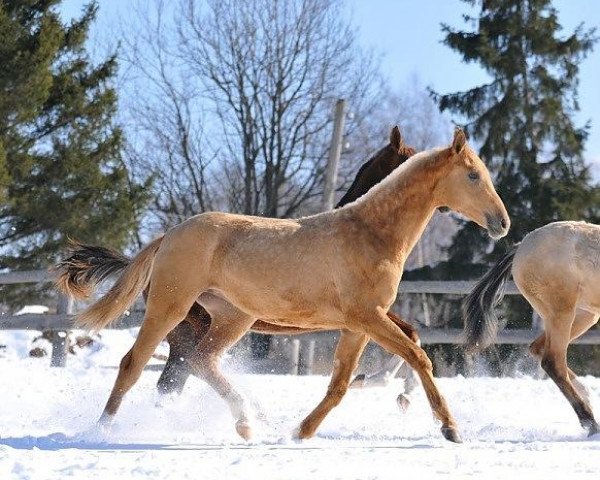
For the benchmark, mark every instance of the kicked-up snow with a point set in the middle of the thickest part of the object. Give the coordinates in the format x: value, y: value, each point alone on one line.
x: 518, y: 426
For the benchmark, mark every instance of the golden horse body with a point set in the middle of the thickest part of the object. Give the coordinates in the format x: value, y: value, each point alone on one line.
x: 557, y: 269
x: 87, y: 265
x: 242, y: 268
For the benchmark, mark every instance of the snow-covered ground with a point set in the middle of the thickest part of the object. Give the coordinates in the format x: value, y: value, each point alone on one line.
x: 510, y: 426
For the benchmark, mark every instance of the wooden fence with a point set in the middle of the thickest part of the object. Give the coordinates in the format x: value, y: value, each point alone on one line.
x: 61, y: 322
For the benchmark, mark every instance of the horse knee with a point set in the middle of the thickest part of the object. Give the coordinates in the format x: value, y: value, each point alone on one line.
x: 411, y: 333
x: 126, y: 362
x: 421, y: 359
x: 537, y: 348
x: 550, y: 367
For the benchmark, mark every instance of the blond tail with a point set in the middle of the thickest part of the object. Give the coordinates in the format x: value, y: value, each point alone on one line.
x: 85, y: 267
x: 120, y: 297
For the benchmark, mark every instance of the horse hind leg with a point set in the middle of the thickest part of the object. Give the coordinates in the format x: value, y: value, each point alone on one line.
x: 176, y: 371
x: 347, y: 354
x: 382, y: 377
x: 227, y: 327
x: 583, y: 321
x: 162, y: 315
x: 172, y: 293
x: 385, y: 375
x: 554, y: 362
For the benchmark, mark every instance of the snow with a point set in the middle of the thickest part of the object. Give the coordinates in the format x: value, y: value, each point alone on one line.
x: 47, y: 426
x: 32, y: 309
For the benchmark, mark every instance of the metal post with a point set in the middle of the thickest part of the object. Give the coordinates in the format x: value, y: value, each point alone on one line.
x: 335, y: 150
x: 60, y: 344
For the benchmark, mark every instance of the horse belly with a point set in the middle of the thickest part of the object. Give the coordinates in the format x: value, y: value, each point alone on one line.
x: 283, y: 303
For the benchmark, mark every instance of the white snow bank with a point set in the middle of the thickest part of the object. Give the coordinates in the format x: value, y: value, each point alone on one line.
x: 510, y: 426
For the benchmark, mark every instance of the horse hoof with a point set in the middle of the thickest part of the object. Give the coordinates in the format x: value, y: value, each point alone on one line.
x: 451, y: 434
x: 105, y: 421
x: 358, y: 382
x: 303, y: 432
x: 593, y: 429
x: 362, y: 381
x: 243, y: 429
x: 403, y: 402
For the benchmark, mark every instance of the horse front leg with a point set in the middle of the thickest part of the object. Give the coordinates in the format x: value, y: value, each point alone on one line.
x: 350, y: 347
x: 383, y: 376
x: 391, y: 337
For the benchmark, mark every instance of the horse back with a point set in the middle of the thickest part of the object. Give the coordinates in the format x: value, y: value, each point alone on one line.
x: 561, y: 259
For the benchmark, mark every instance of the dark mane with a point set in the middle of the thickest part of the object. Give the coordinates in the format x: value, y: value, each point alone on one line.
x: 379, y: 166
x: 350, y: 195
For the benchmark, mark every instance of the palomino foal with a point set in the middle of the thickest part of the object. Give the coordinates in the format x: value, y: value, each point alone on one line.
x: 557, y: 269
x: 242, y: 268
x: 87, y: 266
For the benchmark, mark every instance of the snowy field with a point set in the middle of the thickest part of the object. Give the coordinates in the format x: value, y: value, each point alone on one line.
x: 510, y: 426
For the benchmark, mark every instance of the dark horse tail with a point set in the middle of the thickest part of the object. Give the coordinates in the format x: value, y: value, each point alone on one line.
x: 86, y: 267
x: 480, y: 321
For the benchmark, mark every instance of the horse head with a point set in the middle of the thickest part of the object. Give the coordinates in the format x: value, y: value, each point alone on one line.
x: 467, y: 188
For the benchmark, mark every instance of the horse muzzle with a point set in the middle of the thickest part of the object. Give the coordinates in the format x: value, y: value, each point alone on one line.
x: 497, y: 225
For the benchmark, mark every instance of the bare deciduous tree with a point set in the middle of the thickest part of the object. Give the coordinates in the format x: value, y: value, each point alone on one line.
x: 232, y: 101
x: 164, y: 117
x: 273, y: 71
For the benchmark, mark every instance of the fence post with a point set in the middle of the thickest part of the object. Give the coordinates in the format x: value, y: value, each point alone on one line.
x: 335, y: 151
x: 307, y: 357
x: 60, y: 343
x: 295, y: 356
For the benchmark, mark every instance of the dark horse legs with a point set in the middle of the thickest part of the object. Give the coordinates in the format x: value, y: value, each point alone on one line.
x: 182, y: 347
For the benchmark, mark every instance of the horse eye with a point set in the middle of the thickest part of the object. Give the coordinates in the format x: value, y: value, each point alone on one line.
x: 473, y: 176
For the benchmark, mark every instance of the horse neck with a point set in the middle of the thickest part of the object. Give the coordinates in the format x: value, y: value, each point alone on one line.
x: 401, y: 208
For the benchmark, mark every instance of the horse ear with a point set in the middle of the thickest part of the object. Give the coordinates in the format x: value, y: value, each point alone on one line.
x: 396, y: 138
x: 459, y: 141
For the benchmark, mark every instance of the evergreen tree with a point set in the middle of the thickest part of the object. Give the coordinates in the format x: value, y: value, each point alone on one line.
x: 523, y: 118
x: 61, y: 171
x: 523, y: 122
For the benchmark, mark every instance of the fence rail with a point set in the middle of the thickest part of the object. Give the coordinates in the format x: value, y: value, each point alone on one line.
x: 62, y: 321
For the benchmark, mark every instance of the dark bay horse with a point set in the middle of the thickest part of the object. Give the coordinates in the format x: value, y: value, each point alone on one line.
x: 86, y: 266
x: 242, y: 268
